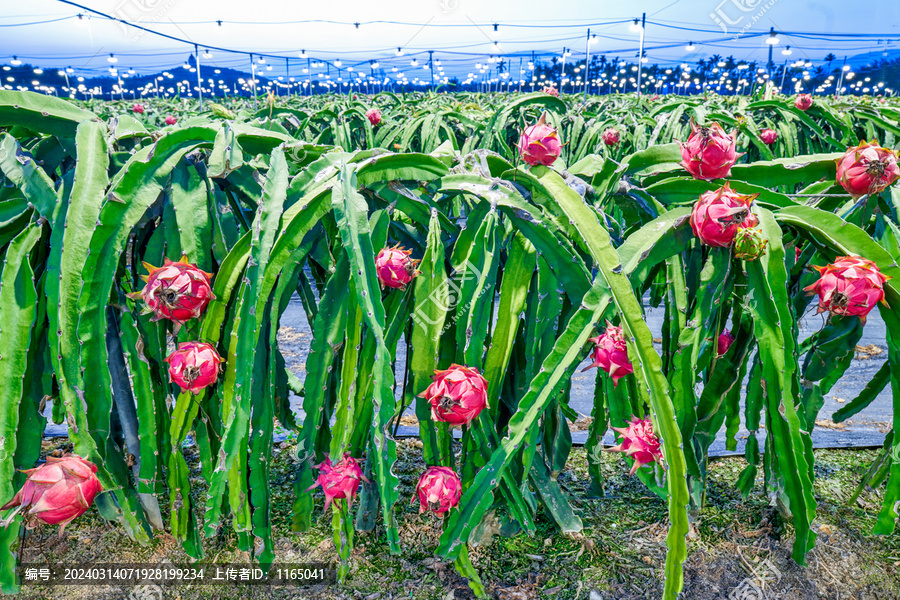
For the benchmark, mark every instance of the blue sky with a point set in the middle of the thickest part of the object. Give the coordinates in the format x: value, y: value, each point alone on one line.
x: 460, y: 32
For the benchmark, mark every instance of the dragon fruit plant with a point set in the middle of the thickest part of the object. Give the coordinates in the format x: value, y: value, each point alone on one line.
x: 522, y: 256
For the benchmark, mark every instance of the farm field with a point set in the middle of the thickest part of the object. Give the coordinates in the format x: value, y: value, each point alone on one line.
x: 453, y: 345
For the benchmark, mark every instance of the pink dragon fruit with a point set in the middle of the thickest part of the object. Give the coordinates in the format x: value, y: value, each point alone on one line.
x: 611, y: 353
x: 56, y: 492
x: 394, y: 267
x: 194, y: 366
x: 804, y: 101
x: 170, y: 120
x: 709, y: 152
x: 638, y: 443
x: 374, y: 116
x: 867, y: 169
x: 457, y: 395
x: 768, y: 136
x: 339, y: 481
x: 439, y: 489
x: 719, y: 214
x: 539, y: 144
x: 138, y: 108
x: 177, y: 291
x: 551, y: 91
x: 851, y: 285
x: 724, y: 342
x: 610, y: 137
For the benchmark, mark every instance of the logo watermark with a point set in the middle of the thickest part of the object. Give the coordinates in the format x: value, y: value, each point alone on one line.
x: 739, y: 15
x: 141, y: 12
x: 145, y: 591
x: 753, y: 588
x: 446, y: 298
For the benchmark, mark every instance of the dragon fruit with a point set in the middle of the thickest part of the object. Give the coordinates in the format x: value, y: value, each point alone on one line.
x: 457, y: 395
x: 56, y: 492
x: 610, y: 137
x: 867, y: 169
x: 439, y: 489
x: 339, y: 481
x: 539, y: 144
x: 611, y: 353
x: 551, y: 91
x: 851, y: 285
x: 138, y: 108
x: 803, y: 101
x: 194, y: 366
x: 749, y: 243
x: 177, y: 291
x: 718, y: 215
x: 709, y: 152
x: 638, y: 443
x: 394, y: 267
x: 724, y: 342
x: 170, y: 120
x: 768, y: 136
x: 374, y: 116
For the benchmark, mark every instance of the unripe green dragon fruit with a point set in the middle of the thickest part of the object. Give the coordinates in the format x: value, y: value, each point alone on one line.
x: 749, y: 243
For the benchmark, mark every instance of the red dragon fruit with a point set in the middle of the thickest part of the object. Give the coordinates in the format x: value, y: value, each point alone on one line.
x: 610, y: 137
x: 551, y: 91
x: 709, y: 152
x: 724, y: 342
x: 768, y: 136
x: 339, y: 481
x: 138, y: 108
x: 867, y: 169
x: 56, y: 492
x: 194, y: 366
x: 719, y: 214
x: 611, y: 353
x: 374, y: 116
x: 457, y: 395
x: 803, y: 101
x: 170, y: 120
x: 439, y: 489
x: 539, y: 144
x: 177, y: 291
x: 639, y: 443
x: 394, y: 267
x: 851, y: 285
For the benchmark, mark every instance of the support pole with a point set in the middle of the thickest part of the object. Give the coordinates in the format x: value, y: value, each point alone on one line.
x: 253, y: 82
x: 587, y: 64
x: 199, y: 78
x: 841, y: 79
x: 641, y: 52
x: 431, y: 64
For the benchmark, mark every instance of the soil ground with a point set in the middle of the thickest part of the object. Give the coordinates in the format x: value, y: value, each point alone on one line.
x: 738, y: 549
